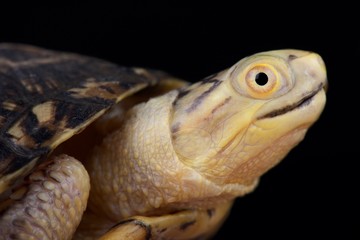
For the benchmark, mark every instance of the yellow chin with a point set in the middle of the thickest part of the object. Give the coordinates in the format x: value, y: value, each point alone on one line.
x: 268, y: 140
x: 267, y: 132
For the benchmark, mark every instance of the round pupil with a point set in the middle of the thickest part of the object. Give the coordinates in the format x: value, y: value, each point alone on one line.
x: 261, y: 78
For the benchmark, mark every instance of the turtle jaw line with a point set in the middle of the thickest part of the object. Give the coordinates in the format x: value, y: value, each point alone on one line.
x: 306, y: 100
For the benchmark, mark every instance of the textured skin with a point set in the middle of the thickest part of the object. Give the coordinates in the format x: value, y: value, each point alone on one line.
x: 53, y: 204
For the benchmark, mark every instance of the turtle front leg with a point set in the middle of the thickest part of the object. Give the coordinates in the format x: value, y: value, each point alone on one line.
x: 51, y: 206
x: 188, y: 224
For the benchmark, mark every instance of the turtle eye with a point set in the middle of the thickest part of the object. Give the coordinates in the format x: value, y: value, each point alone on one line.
x: 262, y: 80
x: 262, y: 77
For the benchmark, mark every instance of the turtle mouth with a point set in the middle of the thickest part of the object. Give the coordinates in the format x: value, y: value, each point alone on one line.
x: 306, y: 100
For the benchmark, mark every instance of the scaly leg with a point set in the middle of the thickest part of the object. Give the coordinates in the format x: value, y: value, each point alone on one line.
x: 50, y: 205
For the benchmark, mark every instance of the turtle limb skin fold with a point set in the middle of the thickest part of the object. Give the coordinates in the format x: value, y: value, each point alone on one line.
x: 52, y: 205
x: 190, y: 224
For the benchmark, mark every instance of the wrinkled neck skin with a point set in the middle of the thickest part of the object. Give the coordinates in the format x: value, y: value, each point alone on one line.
x: 137, y: 170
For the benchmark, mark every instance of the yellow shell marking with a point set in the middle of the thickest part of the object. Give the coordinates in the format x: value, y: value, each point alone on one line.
x: 44, y: 112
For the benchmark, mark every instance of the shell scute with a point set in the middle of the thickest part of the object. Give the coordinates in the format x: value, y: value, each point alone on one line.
x: 48, y: 96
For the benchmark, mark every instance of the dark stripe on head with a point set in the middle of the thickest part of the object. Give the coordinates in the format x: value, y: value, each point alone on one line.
x: 221, y: 104
x: 182, y: 93
x: 197, y: 101
x: 209, y: 79
x: 303, y: 102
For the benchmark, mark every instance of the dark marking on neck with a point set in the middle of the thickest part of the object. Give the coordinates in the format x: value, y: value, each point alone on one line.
x: 197, y: 101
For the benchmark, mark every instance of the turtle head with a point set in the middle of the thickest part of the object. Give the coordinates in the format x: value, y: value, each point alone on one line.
x: 235, y: 125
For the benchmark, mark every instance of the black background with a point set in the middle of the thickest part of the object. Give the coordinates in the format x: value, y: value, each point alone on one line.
x: 311, y: 194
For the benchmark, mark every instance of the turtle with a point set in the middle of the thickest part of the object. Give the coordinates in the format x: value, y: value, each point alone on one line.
x: 90, y: 149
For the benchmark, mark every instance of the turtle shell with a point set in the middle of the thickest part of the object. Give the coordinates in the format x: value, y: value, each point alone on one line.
x: 47, y: 96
